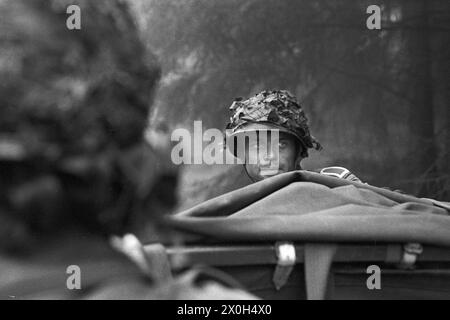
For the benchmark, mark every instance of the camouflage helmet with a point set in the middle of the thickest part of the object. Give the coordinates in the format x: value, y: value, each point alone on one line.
x: 277, y: 109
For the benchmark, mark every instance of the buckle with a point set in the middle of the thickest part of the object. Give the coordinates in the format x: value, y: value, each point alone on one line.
x: 286, y: 258
x: 410, y: 253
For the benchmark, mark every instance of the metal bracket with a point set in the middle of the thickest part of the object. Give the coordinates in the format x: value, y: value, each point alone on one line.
x: 343, y: 172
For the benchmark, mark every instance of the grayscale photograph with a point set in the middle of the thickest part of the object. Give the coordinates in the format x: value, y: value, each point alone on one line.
x: 206, y: 151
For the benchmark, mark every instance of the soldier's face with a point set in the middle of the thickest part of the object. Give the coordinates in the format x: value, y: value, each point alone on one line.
x: 262, y: 165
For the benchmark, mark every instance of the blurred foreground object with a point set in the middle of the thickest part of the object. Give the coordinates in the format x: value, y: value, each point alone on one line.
x: 73, y: 110
x: 74, y: 167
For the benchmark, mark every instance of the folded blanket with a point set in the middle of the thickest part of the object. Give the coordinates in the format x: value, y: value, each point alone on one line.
x: 308, y: 207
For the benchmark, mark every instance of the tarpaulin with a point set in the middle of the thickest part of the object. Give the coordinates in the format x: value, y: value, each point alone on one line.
x: 308, y: 207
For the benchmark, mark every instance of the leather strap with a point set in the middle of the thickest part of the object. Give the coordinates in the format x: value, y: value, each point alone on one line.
x: 158, y: 262
x: 318, y: 260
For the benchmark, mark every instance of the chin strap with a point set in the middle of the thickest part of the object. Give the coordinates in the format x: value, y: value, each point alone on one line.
x: 248, y: 174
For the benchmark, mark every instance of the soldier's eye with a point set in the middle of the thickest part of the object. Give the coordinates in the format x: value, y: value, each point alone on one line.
x: 282, y: 144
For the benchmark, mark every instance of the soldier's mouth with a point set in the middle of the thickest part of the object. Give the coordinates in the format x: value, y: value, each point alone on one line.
x: 267, y: 172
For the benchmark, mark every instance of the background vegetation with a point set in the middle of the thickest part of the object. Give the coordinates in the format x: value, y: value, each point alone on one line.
x: 378, y: 100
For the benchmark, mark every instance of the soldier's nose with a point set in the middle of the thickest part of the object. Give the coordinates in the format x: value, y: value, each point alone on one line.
x: 267, y: 158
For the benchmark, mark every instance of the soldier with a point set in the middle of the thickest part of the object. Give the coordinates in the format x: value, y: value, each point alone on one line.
x: 270, y: 111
